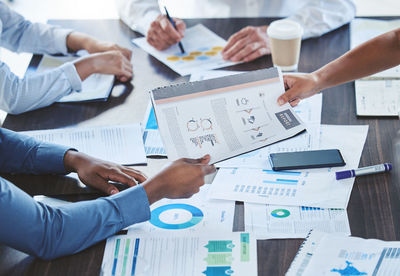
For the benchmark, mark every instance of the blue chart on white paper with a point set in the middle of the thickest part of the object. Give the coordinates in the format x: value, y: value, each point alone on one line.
x: 176, y: 216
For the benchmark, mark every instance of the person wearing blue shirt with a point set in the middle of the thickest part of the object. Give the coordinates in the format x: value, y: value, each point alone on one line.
x: 40, y: 90
x: 50, y: 232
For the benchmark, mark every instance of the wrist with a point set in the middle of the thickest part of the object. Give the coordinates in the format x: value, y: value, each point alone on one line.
x: 318, y: 78
x: 153, y: 190
x: 70, y: 160
x: 85, y: 66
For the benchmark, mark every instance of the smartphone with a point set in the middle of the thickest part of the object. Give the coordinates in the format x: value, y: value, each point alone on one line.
x: 306, y: 159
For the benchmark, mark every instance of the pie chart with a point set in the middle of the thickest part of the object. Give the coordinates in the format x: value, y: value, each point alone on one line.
x: 280, y: 213
x: 176, y: 216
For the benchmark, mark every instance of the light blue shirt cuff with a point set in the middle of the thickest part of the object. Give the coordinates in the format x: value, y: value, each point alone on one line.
x: 60, y: 39
x: 72, y: 75
x: 133, y: 205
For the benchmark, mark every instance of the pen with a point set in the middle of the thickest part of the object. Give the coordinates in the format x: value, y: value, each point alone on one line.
x: 173, y: 24
x: 364, y: 171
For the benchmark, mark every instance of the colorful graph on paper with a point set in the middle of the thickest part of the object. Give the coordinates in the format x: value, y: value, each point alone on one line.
x: 202, y: 51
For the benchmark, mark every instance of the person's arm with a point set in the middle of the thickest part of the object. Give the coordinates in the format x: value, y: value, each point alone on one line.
x: 138, y: 14
x: 318, y: 17
x: 373, y: 56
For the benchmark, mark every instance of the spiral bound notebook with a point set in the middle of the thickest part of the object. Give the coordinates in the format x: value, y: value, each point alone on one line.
x: 224, y: 117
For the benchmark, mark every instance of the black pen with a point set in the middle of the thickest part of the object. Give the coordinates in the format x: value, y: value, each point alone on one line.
x: 173, y: 24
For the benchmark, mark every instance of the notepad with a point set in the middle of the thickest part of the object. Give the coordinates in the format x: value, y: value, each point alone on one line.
x: 224, y: 117
x: 97, y: 87
x: 121, y: 144
x: 202, y: 51
x: 378, y: 94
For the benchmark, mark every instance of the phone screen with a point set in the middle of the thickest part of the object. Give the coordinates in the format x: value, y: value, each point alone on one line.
x: 306, y: 159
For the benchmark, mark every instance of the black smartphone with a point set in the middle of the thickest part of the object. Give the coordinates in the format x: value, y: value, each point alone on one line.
x: 306, y: 159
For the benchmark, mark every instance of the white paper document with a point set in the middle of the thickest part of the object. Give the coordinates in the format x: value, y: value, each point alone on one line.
x: 309, y: 111
x: 212, y: 74
x: 202, y: 51
x: 312, y: 187
x: 97, y: 87
x: 334, y: 254
x: 378, y: 94
x: 153, y: 144
x: 210, y: 254
x: 224, y: 117
x: 121, y: 144
x: 378, y: 97
x: 197, y: 214
x: 291, y: 222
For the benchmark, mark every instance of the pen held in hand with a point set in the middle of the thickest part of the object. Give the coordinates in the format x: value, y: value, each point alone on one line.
x: 173, y: 24
x: 364, y: 171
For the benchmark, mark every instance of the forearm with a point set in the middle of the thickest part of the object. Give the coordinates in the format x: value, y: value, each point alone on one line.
x: 36, y: 90
x: 378, y: 54
x: 48, y: 232
x: 23, y: 154
x: 78, y: 41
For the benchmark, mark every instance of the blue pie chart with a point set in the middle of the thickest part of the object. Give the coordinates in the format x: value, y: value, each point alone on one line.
x: 196, y: 216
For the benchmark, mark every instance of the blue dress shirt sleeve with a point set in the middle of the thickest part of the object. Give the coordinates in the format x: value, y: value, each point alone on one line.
x: 50, y: 232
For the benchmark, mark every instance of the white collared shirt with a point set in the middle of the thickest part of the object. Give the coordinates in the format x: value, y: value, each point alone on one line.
x: 315, y: 16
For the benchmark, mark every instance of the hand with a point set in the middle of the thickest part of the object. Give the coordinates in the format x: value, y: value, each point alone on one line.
x: 162, y: 34
x: 97, y: 173
x: 247, y: 44
x: 77, y: 41
x: 181, y: 179
x: 111, y: 62
x: 298, y: 87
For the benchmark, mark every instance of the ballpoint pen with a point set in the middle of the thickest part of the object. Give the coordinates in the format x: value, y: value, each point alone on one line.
x: 173, y: 24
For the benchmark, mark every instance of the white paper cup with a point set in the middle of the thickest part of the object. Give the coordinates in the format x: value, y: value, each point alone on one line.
x: 285, y: 41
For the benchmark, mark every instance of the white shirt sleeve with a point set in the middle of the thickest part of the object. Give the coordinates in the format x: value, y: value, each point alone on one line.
x: 138, y: 14
x: 318, y: 17
x: 20, y: 35
x: 36, y: 90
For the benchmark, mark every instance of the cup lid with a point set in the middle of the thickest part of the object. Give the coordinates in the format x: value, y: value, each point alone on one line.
x: 284, y: 29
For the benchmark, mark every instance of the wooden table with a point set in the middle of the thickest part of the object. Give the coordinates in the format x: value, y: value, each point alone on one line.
x: 374, y: 207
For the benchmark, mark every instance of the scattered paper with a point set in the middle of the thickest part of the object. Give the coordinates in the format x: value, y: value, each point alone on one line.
x: 194, y: 215
x: 336, y: 254
x: 121, y: 144
x: 312, y: 187
x: 211, y: 254
x: 202, y: 51
x: 291, y: 222
x: 378, y: 94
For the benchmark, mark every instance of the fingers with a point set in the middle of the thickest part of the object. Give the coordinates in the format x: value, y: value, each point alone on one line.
x: 203, y: 160
x: 162, y: 34
x: 234, y: 39
x: 180, y: 26
x: 117, y: 175
x: 207, y: 169
x: 246, y: 45
x: 295, y: 102
x: 137, y: 175
x: 102, y: 184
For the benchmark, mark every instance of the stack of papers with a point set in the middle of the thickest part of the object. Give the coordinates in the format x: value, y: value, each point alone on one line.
x: 119, y: 144
x: 334, y: 254
x: 379, y: 94
x: 97, y: 87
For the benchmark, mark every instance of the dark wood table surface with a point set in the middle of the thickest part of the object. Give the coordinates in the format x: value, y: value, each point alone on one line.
x: 374, y: 207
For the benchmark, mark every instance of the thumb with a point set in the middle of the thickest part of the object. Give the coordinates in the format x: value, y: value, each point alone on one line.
x: 288, y: 96
x: 207, y: 169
